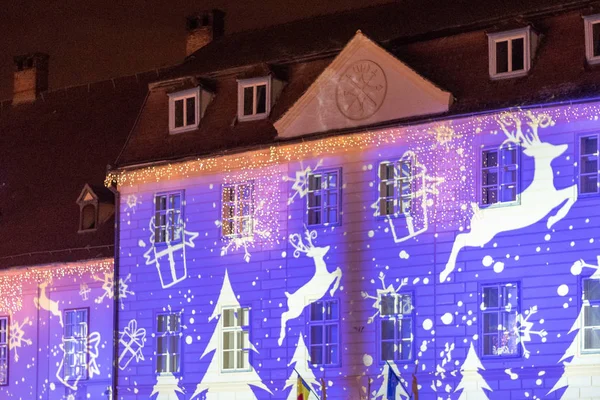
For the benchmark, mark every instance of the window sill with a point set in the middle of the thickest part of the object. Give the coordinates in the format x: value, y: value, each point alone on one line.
x: 87, y: 230
x: 244, y: 118
x: 508, y: 75
x: 183, y: 129
x: 593, y: 60
x: 499, y: 205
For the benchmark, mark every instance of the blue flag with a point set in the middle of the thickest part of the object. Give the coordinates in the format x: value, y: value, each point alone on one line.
x: 392, y: 383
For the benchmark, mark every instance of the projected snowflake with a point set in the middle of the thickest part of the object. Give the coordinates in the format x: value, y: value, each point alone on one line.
x: 444, y: 135
x: 17, y: 336
x: 523, y: 329
x: 108, y: 287
x: 385, y: 291
x: 300, y: 185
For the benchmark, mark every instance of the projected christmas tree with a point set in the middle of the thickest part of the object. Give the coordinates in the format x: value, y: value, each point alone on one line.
x: 239, y: 382
x: 472, y: 383
x: 301, y: 360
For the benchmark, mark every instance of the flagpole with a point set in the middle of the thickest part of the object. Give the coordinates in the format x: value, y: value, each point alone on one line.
x: 399, y: 380
x: 309, y: 387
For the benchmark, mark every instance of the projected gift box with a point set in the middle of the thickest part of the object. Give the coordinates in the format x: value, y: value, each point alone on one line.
x: 132, y: 339
x: 169, y: 256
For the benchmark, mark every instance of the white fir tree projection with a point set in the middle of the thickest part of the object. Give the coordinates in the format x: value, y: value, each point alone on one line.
x: 579, y: 365
x: 472, y: 383
x: 217, y: 380
x: 381, y: 394
x: 166, y: 388
x: 301, y: 360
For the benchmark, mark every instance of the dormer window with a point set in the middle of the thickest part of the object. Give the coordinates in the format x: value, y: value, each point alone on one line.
x: 254, y: 98
x: 592, y: 38
x: 511, y: 52
x: 96, y: 205
x: 184, y: 110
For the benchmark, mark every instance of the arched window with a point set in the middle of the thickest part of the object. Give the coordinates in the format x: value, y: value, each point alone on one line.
x: 88, y: 217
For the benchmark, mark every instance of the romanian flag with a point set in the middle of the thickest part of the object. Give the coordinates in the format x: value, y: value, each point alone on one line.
x: 303, y: 389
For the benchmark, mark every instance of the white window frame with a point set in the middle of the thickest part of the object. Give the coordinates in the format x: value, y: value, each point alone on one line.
x: 182, y: 95
x: 168, y: 334
x: 237, y: 205
x: 501, y: 165
x: 254, y: 82
x: 399, y: 315
x: 323, y: 192
x: 402, y: 183
x: 239, y: 348
x: 589, y: 21
x: 77, y: 341
x: 581, y: 156
x: 173, y: 233
x: 4, y: 355
x: 494, y: 38
x: 585, y: 304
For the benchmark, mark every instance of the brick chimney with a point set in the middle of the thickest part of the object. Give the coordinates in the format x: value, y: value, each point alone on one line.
x: 202, y: 28
x: 31, y: 77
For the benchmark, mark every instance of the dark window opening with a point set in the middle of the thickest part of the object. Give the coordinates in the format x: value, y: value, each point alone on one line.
x: 88, y: 217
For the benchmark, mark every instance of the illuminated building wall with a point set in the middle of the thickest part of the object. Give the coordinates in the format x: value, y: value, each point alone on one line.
x: 480, y: 301
x: 56, y: 331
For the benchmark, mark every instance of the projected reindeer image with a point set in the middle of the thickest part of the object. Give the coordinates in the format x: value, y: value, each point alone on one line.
x: 537, y: 201
x: 316, y: 287
x: 44, y: 303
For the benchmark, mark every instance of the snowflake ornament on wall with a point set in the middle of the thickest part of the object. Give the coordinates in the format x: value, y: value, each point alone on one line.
x: 385, y: 291
x: 300, y: 185
x: 108, y: 287
x: 523, y: 329
x: 17, y: 336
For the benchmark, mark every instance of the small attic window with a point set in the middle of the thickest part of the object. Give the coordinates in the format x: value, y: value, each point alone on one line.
x: 592, y: 38
x: 254, y: 98
x: 511, y: 52
x: 184, y: 110
x: 88, y: 210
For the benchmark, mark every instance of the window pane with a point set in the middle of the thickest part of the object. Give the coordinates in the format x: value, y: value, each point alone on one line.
x: 406, y: 304
x: 509, y: 155
x: 591, y: 317
x: 314, y: 199
x: 314, y: 182
x: 489, y: 177
x: 589, y: 164
x: 178, y: 113
x: 316, y: 354
x: 589, y: 184
x: 596, y: 39
x: 316, y: 311
x: 331, y: 334
x: 316, y: 334
x: 388, y: 305
x: 508, y: 193
x: 228, y: 318
x: 490, y: 322
x: 190, y: 109
x: 387, y: 329
x: 489, y: 344
x: 490, y: 297
x: 228, y: 360
x: 331, y: 355
x: 591, y: 339
x: 387, y: 350
x: 501, y: 57
x: 405, y: 350
x: 489, y: 159
x: 405, y: 328
x: 518, y: 54
x: 589, y: 145
x: 591, y: 289
x: 332, y: 215
x: 248, y: 100
x: 332, y: 310
x: 261, y: 99
x: 332, y: 181
x: 229, y: 340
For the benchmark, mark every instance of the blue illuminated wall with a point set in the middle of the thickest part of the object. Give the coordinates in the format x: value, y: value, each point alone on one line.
x: 38, y: 302
x: 540, y: 247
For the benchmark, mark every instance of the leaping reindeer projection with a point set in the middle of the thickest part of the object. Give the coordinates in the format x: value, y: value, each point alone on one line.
x: 45, y: 303
x: 537, y: 201
x: 316, y: 287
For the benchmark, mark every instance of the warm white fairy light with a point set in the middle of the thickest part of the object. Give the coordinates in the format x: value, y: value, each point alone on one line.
x: 13, y: 280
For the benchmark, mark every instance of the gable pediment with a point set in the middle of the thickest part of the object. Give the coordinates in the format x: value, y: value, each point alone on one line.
x: 87, y: 194
x: 364, y: 85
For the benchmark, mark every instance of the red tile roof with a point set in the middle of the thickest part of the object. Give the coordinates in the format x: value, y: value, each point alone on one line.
x: 50, y: 150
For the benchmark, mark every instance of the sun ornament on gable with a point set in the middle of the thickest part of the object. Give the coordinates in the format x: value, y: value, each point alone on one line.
x: 363, y: 86
x: 96, y: 205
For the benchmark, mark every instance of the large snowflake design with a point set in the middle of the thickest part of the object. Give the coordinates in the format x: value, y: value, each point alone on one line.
x: 444, y: 134
x: 523, y: 329
x: 108, y: 287
x: 17, y: 336
x: 300, y: 185
x: 385, y: 291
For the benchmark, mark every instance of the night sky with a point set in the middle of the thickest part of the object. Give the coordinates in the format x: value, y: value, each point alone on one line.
x: 101, y: 39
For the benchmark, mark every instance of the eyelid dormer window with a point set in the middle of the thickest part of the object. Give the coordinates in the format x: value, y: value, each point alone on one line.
x: 592, y: 38
x: 511, y: 52
x: 186, y: 108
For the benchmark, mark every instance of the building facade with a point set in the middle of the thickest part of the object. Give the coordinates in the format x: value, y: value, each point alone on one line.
x: 389, y: 204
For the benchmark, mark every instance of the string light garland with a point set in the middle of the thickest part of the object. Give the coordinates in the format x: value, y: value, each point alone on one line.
x: 419, y: 135
x: 13, y: 280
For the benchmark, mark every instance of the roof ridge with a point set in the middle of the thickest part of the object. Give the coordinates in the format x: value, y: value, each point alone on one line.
x: 158, y: 71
